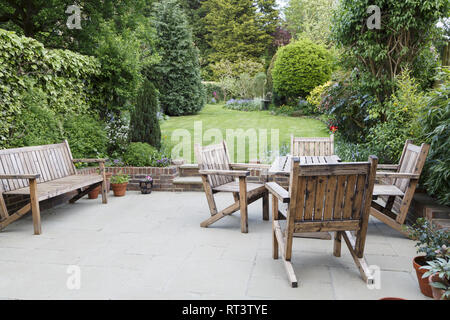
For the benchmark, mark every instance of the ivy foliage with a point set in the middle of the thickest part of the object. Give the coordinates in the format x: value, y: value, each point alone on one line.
x: 35, y: 80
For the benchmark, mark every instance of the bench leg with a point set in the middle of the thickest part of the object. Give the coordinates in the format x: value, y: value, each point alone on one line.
x: 36, y: 213
x: 104, y: 191
x: 265, y: 206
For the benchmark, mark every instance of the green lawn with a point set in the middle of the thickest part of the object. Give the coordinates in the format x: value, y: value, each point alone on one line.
x: 214, y: 124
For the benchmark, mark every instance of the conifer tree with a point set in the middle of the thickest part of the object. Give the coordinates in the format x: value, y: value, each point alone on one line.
x: 144, y: 124
x: 178, y: 73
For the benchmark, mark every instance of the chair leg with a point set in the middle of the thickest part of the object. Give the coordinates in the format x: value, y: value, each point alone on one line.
x: 287, y: 264
x: 243, y: 204
x: 361, y: 263
x: 266, y: 206
x: 35, y: 210
x: 274, y: 220
x: 337, y: 244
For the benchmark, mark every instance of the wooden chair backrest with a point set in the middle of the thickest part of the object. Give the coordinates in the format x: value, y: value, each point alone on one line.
x: 412, y: 161
x: 52, y: 162
x: 312, y: 146
x: 331, y: 192
x: 214, y: 157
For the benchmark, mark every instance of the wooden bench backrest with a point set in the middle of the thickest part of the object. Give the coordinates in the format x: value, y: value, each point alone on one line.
x: 214, y: 157
x: 412, y: 161
x: 52, y: 162
x: 312, y: 146
x: 332, y: 192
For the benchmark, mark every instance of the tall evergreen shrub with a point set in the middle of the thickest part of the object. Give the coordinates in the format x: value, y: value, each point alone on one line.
x: 144, y: 124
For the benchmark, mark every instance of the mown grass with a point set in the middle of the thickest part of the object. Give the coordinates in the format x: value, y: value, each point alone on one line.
x: 223, y: 120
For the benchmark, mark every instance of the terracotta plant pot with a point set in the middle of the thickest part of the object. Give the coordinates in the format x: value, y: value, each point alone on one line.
x: 437, y: 293
x: 119, y: 189
x: 424, y: 285
x: 94, y: 193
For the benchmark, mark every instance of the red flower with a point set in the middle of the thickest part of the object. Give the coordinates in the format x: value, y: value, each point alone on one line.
x: 333, y: 129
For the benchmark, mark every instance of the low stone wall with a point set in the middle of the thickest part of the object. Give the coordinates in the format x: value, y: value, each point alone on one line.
x: 162, y: 177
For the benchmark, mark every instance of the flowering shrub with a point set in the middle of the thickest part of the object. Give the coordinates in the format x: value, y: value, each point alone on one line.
x: 243, y: 105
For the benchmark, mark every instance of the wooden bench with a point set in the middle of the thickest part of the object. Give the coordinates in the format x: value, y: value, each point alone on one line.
x: 43, y: 172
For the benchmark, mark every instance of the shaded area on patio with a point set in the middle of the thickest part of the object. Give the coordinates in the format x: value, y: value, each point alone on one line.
x: 152, y: 247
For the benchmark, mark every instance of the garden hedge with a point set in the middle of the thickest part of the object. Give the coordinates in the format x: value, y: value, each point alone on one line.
x: 62, y: 80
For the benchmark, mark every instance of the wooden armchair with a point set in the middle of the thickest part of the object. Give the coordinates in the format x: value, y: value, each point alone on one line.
x: 312, y: 146
x: 219, y: 175
x: 325, y: 197
x: 395, y: 190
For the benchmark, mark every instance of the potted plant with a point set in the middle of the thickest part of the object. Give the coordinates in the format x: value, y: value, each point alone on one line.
x: 146, y: 185
x: 95, y: 192
x: 429, y: 242
x: 438, y: 275
x: 119, y: 184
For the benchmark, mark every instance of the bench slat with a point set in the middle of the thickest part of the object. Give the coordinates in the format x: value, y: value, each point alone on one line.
x: 60, y: 186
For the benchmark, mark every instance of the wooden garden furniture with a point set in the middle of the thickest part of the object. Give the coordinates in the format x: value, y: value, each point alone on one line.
x: 282, y: 167
x: 219, y: 175
x: 43, y: 172
x: 324, y: 197
x: 312, y: 146
x: 395, y: 190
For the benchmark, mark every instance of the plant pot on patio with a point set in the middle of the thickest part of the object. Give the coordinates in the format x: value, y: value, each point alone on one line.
x: 424, y: 285
x: 119, y: 184
x: 437, y: 292
x: 94, y: 193
x: 146, y: 185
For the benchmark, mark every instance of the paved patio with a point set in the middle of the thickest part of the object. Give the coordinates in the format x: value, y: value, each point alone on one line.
x: 152, y: 247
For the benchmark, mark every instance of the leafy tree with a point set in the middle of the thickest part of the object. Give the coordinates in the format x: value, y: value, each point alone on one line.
x: 144, y: 124
x: 310, y: 18
x: 407, y: 27
x: 300, y: 67
x: 178, y: 73
x: 234, y: 30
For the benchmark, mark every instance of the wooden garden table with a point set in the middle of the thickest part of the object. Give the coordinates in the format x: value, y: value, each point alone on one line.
x: 282, y: 167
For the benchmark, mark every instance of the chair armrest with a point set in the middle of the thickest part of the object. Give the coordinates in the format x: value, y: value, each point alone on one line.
x: 387, y: 166
x: 89, y: 160
x: 33, y: 176
x: 234, y: 173
x: 278, y: 191
x: 244, y: 166
x: 398, y: 175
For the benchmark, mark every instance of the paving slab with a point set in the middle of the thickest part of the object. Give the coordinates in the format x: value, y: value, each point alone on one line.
x: 152, y: 247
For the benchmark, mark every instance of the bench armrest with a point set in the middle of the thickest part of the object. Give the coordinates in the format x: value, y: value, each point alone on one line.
x: 33, y: 176
x: 89, y: 160
x: 388, y: 166
x: 234, y: 173
x: 398, y: 175
x: 278, y: 191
